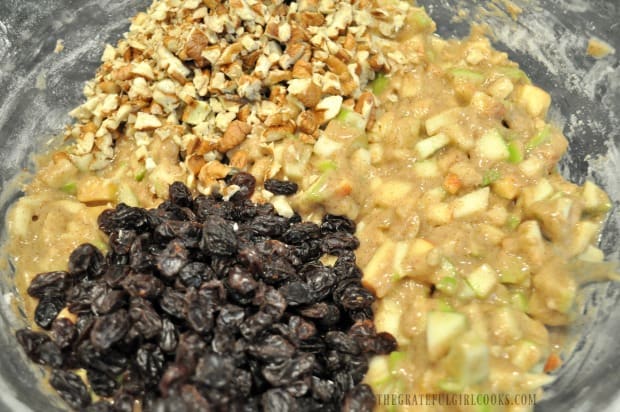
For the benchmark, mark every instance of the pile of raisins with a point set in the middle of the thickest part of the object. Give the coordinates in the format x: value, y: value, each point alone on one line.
x: 205, y: 304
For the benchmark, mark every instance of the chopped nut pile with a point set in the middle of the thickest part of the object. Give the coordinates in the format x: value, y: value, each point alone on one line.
x: 211, y: 74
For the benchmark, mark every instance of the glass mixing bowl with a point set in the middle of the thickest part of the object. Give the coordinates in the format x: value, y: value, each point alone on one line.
x: 549, y: 39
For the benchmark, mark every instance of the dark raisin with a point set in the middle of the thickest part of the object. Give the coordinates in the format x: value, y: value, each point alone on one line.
x: 108, y: 300
x: 71, y: 388
x: 150, y: 361
x: 323, y: 389
x: 230, y: 317
x: 190, y: 347
x: 46, y: 311
x: 301, y: 329
x: 255, y: 324
x: 115, y: 274
x: 278, y: 400
x: 53, y: 284
x: 109, y: 329
x: 145, y: 320
x: 172, y: 302
x: 208, y: 304
x: 272, y: 348
x: 168, y: 336
x: 63, y: 332
x: 342, y: 342
x: 195, y: 273
x: 281, y: 187
x: 123, y: 402
x: 101, y: 384
x: 334, y: 223
x: 180, y: 195
x: 143, y: 285
x: 296, y: 293
x: 124, y: 217
x: 174, y: 375
x: 355, y: 298
x: 120, y: 241
x: 320, y: 279
x: 268, y: 225
x: 301, y: 232
x: 289, y: 370
x: 274, y: 303
x: 337, y: 242
x: 218, y: 236
x: 100, y: 406
x: 172, y: 259
x: 210, y: 362
x: 246, y: 183
x: 241, y: 281
x: 87, y: 260
x: 359, y: 399
x: 199, y: 312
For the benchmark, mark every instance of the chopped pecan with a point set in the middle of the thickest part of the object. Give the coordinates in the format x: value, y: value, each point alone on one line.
x: 239, y: 159
x: 195, y: 163
x: 194, y: 46
x: 212, y: 171
x: 233, y: 136
x: 306, y: 122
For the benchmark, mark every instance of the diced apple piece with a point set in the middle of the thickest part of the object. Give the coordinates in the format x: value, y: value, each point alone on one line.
x: 540, y: 191
x: 535, y: 100
x: 326, y: 147
x: 512, y: 268
x: 491, y: 234
x: 400, y: 252
x: 426, y: 168
x: 505, y: 325
x: 471, y: 203
x: 435, y: 123
x: 556, y: 286
x: 491, y: 146
x: 127, y: 196
x: 506, y: 187
x: 282, y: 206
x: 531, y: 241
x: 447, y: 285
x: 442, y: 329
x: 388, y: 318
x: 592, y: 254
x: 583, y: 234
x: 295, y: 159
x: 96, y: 189
x: 525, y: 355
x: 519, y: 301
x: 378, y: 271
x: 482, y: 280
x: 439, y: 214
x: 426, y: 147
x: 595, y: 200
x: 468, y: 360
x: 392, y: 192
x: 420, y: 247
x: 556, y: 216
x: 532, y: 167
x: 378, y: 370
x: 501, y: 88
